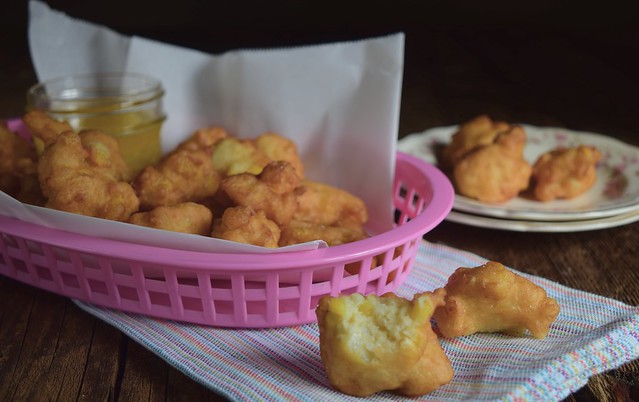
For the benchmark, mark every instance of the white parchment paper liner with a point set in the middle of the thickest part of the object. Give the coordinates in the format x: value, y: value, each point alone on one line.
x: 339, y: 102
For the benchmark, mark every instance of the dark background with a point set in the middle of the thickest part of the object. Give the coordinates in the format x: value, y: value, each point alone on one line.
x: 512, y: 46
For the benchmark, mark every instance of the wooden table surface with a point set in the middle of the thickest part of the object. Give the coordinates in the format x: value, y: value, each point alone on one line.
x: 530, y: 66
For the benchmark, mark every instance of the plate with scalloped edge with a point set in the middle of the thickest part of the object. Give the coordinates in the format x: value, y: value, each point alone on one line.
x: 615, y: 192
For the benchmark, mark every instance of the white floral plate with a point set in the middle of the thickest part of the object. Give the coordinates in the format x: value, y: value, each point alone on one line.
x: 615, y: 192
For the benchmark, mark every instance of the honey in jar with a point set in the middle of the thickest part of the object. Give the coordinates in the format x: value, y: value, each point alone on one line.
x: 125, y: 105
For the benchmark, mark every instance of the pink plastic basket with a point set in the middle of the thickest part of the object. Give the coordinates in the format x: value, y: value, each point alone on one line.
x: 228, y: 290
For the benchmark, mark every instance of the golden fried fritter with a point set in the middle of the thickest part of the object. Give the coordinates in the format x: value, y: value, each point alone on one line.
x: 104, y: 154
x: 12, y: 149
x: 74, y: 182
x: 491, y: 298
x: 187, y: 217
x: 44, y: 127
x: 234, y: 156
x: 272, y: 191
x: 103, y: 149
x: 475, y: 133
x: 203, y: 139
x: 496, y: 172
x: 244, y: 225
x: 370, y: 344
x: 179, y: 177
x: 297, y: 232
x: 82, y: 173
x: 19, y: 168
x: 330, y: 206
x: 565, y: 173
x: 278, y: 148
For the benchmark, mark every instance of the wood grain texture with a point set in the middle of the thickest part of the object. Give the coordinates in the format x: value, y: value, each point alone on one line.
x: 535, y: 66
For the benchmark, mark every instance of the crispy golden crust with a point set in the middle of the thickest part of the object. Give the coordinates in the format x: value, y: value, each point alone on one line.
x: 491, y: 298
x: 272, y: 191
x: 187, y: 217
x: 44, y: 127
x: 244, y: 225
x: 475, y: 133
x: 300, y: 232
x: 278, y: 148
x: 186, y: 174
x: 565, y: 173
x: 71, y: 184
x: 104, y: 154
x: 85, y: 173
x: 203, y: 139
x: 179, y: 177
x: 82, y: 173
x: 370, y: 344
x: 496, y: 172
x: 12, y: 149
x: 233, y: 156
x: 19, y: 168
x: 327, y: 205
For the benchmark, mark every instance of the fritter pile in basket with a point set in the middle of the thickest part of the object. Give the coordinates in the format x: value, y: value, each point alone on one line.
x: 214, y: 184
x: 370, y: 344
x: 485, y: 160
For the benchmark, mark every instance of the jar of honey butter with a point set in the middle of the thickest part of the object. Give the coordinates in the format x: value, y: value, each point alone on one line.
x: 125, y: 105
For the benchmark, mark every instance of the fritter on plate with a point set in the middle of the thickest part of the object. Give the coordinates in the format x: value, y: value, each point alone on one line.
x: 496, y: 172
x: 565, y: 173
x: 474, y: 133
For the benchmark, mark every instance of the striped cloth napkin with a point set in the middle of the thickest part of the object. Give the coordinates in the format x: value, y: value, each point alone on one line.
x: 592, y: 334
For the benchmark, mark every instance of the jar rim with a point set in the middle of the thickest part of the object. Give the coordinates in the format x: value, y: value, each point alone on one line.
x: 95, y: 88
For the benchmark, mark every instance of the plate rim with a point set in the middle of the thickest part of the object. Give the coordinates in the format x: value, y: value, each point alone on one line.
x: 543, y: 226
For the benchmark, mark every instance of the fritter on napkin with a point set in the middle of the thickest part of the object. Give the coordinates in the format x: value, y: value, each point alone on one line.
x: 370, y: 344
x: 491, y: 298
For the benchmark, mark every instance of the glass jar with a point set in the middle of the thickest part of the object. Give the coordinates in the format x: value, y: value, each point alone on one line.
x: 125, y: 105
